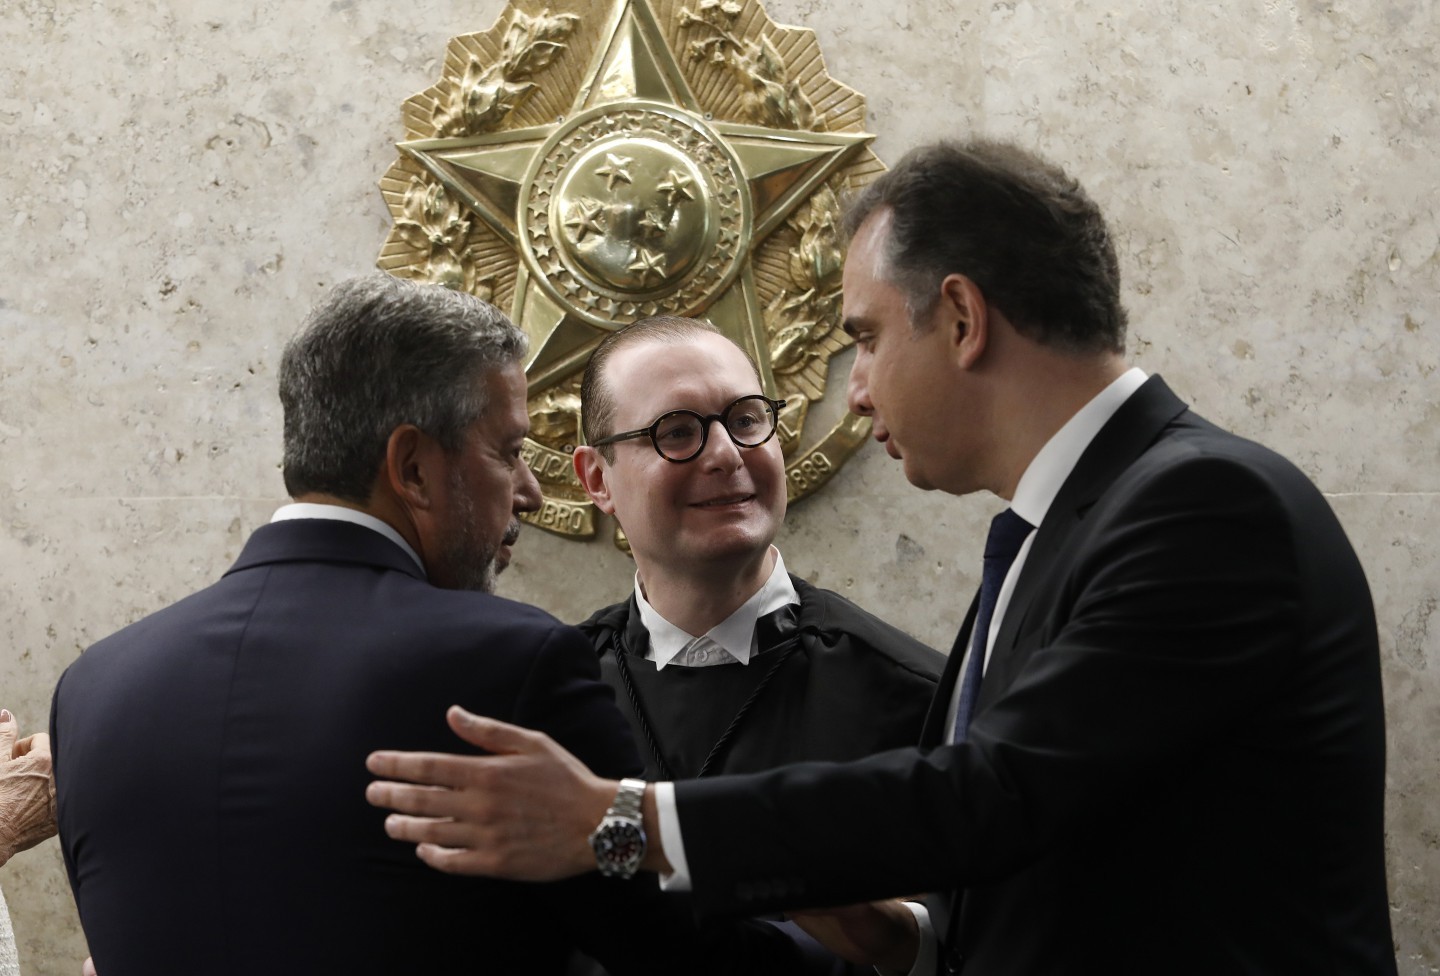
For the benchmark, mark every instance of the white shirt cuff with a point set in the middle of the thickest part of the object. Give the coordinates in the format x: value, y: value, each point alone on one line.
x: 929, y: 952
x: 669, y: 816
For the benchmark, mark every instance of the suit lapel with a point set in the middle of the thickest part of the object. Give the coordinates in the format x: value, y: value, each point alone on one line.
x: 1125, y: 436
x: 932, y: 733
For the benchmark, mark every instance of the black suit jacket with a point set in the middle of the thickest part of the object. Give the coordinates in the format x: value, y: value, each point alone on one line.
x: 1177, y: 760
x: 210, y: 769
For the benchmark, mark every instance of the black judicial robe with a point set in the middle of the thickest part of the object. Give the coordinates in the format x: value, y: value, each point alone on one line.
x: 830, y: 682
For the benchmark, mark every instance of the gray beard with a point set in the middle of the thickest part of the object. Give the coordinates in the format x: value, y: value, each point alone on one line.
x: 471, y: 560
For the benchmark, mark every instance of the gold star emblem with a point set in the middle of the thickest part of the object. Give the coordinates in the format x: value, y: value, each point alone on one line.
x: 654, y: 224
x: 647, y: 263
x: 676, y: 187
x: 547, y: 152
x: 584, y: 219
x: 615, y: 170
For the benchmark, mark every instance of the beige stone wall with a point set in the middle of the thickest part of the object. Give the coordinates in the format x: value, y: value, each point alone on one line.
x: 182, y: 179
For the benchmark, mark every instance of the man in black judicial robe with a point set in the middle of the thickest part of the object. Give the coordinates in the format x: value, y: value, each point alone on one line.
x: 722, y: 661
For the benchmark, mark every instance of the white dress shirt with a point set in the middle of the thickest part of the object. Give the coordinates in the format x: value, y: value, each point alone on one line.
x: 1036, y: 491
x: 732, y: 639
x: 339, y: 513
x: 1034, y: 494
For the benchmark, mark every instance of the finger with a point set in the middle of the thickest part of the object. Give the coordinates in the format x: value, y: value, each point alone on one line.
x: 37, y: 745
x: 88, y: 969
x: 9, y: 729
x: 433, y: 768
x: 453, y: 860
x: 425, y: 801
x: 427, y: 830
x: 492, y: 735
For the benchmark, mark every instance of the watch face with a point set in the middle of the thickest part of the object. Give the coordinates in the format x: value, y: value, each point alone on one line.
x: 619, y: 845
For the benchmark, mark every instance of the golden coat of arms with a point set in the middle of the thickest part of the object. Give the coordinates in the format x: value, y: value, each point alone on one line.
x: 584, y: 170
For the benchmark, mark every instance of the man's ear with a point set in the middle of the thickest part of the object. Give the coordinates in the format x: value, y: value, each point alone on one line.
x: 409, y: 467
x: 590, y: 468
x: 963, y: 312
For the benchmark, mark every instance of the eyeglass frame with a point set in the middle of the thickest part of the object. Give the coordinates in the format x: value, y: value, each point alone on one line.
x: 775, y: 407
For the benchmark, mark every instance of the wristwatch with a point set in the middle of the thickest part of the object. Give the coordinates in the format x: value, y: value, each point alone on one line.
x: 619, y: 841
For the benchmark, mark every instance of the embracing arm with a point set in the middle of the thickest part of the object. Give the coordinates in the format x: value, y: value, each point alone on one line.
x: 524, y: 812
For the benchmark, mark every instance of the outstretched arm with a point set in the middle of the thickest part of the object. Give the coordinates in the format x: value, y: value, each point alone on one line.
x: 524, y: 812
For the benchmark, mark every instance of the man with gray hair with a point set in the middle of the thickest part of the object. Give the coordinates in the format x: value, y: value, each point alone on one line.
x: 186, y: 743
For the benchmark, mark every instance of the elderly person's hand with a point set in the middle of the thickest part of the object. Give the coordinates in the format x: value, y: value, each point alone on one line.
x: 27, y: 791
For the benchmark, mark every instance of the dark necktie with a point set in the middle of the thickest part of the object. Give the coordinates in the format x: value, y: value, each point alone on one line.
x: 1007, y: 532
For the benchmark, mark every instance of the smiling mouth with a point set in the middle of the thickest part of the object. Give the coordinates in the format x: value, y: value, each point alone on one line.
x: 728, y: 500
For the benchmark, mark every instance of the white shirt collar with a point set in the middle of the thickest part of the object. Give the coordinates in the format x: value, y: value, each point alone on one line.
x: 339, y: 513
x: 1048, y: 470
x: 736, y: 633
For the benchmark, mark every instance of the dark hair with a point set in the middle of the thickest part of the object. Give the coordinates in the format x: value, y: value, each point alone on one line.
x: 1029, y: 236
x: 375, y: 353
x: 597, y: 400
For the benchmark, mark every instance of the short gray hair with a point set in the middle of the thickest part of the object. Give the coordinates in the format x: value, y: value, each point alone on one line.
x: 375, y: 353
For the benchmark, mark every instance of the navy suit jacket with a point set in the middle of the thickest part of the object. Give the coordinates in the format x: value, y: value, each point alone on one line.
x: 1177, y: 760
x: 210, y: 768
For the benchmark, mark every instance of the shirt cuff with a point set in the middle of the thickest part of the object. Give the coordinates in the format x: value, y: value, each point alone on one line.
x: 929, y: 952
x: 669, y: 816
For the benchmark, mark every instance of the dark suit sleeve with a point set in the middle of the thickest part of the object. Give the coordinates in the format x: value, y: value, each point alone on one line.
x: 564, y: 697
x: 1178, y: 619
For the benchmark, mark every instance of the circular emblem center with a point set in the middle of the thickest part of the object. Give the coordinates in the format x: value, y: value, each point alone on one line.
x: 634, y: 209
x: 632, y: 214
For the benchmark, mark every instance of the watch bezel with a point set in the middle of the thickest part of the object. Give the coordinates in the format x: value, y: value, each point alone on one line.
x: 619, y: 846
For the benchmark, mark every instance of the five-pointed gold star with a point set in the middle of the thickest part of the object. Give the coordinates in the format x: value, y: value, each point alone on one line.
x: 615, y: 170
x: 647, y: 263
x: 676, y: 187
x: 654, y: 223
x: 585, y: 219
x: 779, y: 168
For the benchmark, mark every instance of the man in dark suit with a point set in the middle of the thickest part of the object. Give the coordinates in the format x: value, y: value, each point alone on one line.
x: 186, y: 743
x: 1162, y: 725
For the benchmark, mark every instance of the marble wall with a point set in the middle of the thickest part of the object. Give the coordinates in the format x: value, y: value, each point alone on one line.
x: 183, y: 179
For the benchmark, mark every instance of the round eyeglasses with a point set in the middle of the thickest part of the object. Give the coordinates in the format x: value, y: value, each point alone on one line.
x: 681, y: 435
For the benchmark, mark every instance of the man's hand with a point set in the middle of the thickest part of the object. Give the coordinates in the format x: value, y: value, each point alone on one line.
x: 883, y: 934
x: 524, y: 813
x: 27, y: 791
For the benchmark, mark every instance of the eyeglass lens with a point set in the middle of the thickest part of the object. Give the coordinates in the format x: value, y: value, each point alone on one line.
x: 749, y: 421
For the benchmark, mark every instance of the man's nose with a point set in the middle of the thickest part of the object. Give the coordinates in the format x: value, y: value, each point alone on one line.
x: 527, y: 489
x: 719, y: 450
x: 857, y: 390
